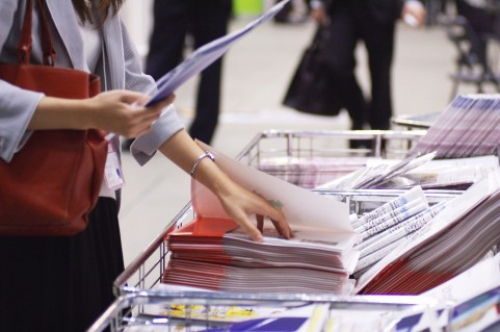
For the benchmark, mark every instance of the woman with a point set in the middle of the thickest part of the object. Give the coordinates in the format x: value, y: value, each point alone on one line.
x: 64, y: 283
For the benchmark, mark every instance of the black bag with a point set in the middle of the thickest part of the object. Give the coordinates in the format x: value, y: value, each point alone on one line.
x: 310, y: 90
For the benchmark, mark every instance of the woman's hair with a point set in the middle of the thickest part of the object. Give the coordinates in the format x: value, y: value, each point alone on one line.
x: 84, y: 9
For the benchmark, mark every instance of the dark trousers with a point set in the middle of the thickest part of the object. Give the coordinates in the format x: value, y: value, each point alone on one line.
x: 350, y: 23
x: 204, y: 21
x: 61, y: 283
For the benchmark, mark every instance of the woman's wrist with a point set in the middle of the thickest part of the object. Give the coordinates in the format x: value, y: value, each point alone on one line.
x: 197, y: 162
x: 57, y: 113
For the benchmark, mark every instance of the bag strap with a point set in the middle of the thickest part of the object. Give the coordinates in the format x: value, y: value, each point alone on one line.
x: 24, y: 47
x: 25, y: 43
x: 49, y: 53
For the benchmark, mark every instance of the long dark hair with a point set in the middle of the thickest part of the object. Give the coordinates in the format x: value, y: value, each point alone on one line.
x: 103, y: 7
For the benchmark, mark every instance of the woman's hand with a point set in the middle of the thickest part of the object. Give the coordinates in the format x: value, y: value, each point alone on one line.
x: 113, y: 111
x: 116, y: 112
x: 240, y: 204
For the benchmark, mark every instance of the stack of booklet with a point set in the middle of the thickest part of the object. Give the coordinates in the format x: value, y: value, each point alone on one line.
x: 212, y: 253
x: 311, y: 172
x: 389, y: 225
x: 377, y: 173
x: 470, y: 126
x: 424, y: 171
x: 316, y: 260
x: 458, y: 237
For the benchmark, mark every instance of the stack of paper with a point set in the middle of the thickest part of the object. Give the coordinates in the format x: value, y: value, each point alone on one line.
x: 456, y: 239
x: 314, y: 261
x: 377, y: 173
x: 389, y: 225
x: 470, y: 126
x: 456, y: 173
x: 310, y: 172
x: 212, y: 253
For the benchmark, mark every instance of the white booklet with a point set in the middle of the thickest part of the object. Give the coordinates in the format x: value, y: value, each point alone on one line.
x: 425, y: 249
x: 205, y: 56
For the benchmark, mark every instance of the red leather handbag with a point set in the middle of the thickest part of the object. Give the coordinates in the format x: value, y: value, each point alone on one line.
x: 53, y: 182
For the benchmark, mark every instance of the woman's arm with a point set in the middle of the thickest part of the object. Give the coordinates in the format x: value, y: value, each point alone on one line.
x: 238, y: 202
x: 168, y: 136
x: 109, y: 111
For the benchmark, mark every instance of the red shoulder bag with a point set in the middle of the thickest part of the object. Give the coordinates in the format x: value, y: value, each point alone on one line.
x: 53, y: 182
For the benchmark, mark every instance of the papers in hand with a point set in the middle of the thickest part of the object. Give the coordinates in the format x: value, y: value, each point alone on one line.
x: 205, y: 56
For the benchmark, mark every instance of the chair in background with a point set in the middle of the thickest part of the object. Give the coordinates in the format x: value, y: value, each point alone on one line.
x: 473, y: 33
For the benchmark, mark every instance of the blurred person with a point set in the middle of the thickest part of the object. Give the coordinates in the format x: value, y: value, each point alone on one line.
x: 63, y: 283
x: 202, y: 21
x: 296, y: 11
x: 484, y: 19
x: 372, y: 22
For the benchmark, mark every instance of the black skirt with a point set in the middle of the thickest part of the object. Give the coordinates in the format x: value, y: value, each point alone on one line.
x: 60, y: 283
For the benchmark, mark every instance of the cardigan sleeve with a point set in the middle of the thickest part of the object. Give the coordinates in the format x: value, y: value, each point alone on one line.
x: 145, y: 146
x: 16, y: 105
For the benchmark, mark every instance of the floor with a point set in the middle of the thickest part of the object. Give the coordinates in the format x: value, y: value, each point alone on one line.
x: 256, y: 73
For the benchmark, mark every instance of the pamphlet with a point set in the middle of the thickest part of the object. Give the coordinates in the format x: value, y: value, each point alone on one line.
x: 205, y: 56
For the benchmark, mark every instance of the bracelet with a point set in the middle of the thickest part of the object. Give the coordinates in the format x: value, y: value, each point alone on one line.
x: 207, y: 154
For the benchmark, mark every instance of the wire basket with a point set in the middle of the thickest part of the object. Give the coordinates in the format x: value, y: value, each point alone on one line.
x: 311, y: 158
x: 138, y: 288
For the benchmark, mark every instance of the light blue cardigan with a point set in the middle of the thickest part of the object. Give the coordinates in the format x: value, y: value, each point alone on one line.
x: 124, y: 72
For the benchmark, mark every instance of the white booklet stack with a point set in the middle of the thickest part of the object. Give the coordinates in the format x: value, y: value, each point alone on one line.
x: 469, y: 127
x: 457, y: 238
x: 424, y: 171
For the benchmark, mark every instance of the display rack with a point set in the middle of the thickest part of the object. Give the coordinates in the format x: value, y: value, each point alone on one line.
x: 311, y: 158
x: 119, y: 317
x: 136, y: 287
x: 421, y: 121
x: 328, y: 144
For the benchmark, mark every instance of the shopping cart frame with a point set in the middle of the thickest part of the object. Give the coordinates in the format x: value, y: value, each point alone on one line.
x: 135, y: 286
x: 116, y: 317
x: 300, y: 143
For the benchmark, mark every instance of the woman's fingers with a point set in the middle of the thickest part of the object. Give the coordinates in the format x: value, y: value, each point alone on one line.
x: 277, y: 217
x: 249, y: 228
x: 142, y: 118
x: 130, y: 97
x: 284, y: 230
x: 279, y: 221
x: 260, y: 223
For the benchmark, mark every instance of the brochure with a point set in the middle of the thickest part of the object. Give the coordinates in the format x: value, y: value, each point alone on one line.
x: 205, y: 56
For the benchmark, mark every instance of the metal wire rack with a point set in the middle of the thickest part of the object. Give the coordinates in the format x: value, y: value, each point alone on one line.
x: 137, y: 288
x: 201, y: 310
x: 311, y: 158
